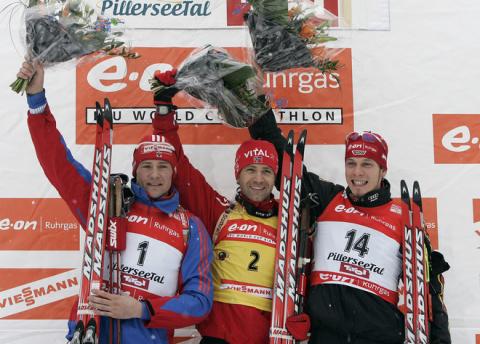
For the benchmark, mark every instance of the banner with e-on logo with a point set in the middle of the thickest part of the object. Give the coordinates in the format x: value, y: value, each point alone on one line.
x: 456, y: 139
x: 304, y: 98
x: 42, y: 224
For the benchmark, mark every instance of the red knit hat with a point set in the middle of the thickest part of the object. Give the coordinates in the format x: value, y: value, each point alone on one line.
x: 256, y: 152
x: 154, y: 147
x: 367, y: 145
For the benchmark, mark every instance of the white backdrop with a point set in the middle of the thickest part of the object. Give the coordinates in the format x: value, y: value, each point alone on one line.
x: 427, y: 63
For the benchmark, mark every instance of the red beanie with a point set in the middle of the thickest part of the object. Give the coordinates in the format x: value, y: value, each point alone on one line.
x: 367, y: 145
x: 256, y: 152
x: 154, y: 147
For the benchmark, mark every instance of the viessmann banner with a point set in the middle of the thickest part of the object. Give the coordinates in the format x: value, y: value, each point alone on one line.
x: 304, y: 98
x: 37, y: 293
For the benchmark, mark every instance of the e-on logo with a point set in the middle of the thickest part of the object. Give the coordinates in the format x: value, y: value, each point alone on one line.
x: 456, y: 139
x: 17, y: 225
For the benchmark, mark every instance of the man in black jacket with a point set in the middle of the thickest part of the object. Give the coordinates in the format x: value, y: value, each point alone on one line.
x: 357, y: 263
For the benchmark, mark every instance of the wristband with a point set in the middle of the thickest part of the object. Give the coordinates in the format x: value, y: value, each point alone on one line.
x: 37, y: 102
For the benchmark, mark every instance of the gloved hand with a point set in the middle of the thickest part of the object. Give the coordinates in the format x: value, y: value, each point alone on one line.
x: 298, y: 325
x: 168, y: 79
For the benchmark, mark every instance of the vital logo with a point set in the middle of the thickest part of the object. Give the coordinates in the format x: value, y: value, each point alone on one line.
x: 456, y: 139
x: 256, y: 152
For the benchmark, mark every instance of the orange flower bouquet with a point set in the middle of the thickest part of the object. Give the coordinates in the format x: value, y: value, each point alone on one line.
x: 286, y: 38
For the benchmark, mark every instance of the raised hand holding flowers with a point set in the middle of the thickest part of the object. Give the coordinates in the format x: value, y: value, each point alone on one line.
x: 213, y: 76
x: 61, y: 30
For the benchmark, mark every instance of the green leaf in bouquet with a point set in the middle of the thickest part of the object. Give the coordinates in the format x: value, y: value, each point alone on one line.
x: 323, y: 39
x: 273, y: 10
x: 238, y: 77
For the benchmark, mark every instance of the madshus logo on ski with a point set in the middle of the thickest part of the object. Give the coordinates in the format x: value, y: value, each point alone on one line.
x: 289, y: 282
x: 415, y: 266
x: 87, y: 329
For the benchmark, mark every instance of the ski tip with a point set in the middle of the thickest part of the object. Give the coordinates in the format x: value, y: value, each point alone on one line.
x: 303, y: 137
x: 92, y: 323
x: 302, y: 141
x: 107, y: 111
x: 417, y: 196
x: 98, y: 109
x: 98, y: 113
x: 80, y: 327
x: 404, y: 191
x: 416, y: 186
x: 290, y: 137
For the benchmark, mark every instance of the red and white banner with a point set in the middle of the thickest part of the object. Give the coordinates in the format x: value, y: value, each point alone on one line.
x: 456, y: 139
x: 37, y: 224
x: 304, y: 97
x: 37, y: 293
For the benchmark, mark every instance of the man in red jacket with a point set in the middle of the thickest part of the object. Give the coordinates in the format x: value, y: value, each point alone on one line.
x: 243, y: 233
x: 175, y: 250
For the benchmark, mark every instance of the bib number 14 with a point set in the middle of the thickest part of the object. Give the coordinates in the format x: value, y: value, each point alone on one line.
x: 360, y: 245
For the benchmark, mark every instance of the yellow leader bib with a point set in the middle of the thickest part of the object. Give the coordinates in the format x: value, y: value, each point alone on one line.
x: 244, y: 257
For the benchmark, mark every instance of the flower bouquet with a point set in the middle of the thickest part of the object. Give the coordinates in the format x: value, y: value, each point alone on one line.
x: 61, y: 30
x: 213, y: 76
x: 286, y: 38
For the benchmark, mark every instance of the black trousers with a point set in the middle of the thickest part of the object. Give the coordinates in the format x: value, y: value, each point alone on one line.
x: 212, y: 340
